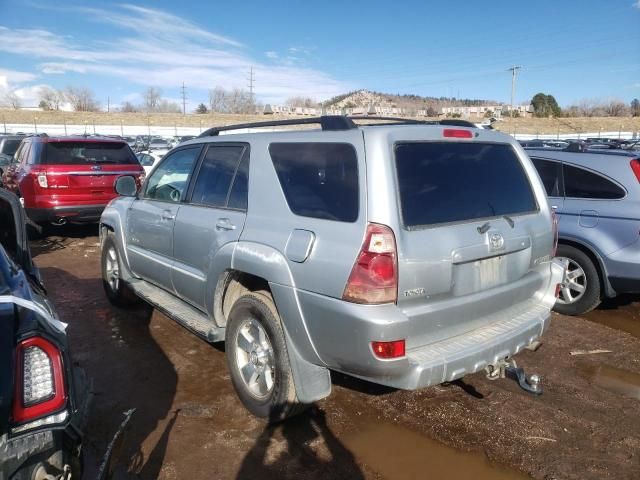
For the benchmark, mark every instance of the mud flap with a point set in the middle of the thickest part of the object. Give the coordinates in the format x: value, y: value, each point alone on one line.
x: 312, y: 382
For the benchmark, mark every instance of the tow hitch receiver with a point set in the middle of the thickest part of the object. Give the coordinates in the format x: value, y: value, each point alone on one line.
x: 509, y: 369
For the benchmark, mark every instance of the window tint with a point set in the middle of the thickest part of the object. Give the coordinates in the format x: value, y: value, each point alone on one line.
x: 9, y: 146
x: 550, y: 174
x: 146, y: 160
x: 240, y: 191
x: 215, y: 175
x: 169, y: 180
x: 319, y: 180
x: 452, y: 182
x: 580, y: 183
x: 87, y: 153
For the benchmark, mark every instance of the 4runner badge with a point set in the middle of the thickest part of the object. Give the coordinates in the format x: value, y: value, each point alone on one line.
x: 496, y: 242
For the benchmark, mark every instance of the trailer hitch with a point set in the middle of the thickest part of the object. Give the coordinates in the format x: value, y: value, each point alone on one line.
x: 508, y: 368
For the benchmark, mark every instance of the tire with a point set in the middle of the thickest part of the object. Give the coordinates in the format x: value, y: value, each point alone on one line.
x: 118, y: 292
x: 255, y: 344
x: 578, y: 302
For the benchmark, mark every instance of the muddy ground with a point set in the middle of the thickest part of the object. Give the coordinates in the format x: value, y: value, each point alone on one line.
x: 189, y: 423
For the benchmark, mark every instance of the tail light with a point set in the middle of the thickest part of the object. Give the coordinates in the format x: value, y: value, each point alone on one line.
x: 635, y: 166
x: 39, y: 179
x: 456, y: 133
x: 374, y: 276
x: 554, y: 223
x: 39, y: 387
x: 387, y: 350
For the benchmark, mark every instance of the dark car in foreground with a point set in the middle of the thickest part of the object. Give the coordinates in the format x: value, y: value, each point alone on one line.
x: 596, y: 195
x: 43, y: 397
x: 69, y: 179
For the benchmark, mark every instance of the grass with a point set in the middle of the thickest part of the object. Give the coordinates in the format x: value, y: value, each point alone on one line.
x: 560, y: 126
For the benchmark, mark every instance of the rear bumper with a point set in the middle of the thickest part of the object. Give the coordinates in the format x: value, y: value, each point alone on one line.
x: 72, y: 214
x: 342, y: 335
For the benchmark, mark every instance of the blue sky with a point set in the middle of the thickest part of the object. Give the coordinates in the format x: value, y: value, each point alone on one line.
x: 571, y: 49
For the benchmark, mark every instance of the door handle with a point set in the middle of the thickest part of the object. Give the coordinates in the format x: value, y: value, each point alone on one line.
x: 225, y: 224
x: 167, y: 215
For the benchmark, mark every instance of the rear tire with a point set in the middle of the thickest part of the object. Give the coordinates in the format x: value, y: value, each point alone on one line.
x: 118, y: 292
x: 582, y: 292
x: 257, y: 359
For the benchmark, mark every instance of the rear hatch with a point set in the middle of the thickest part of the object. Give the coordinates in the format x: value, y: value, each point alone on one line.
x: 84, y: 171
x: 472, y: 235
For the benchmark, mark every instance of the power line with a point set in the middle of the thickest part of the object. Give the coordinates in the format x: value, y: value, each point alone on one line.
x: 184, y: 99
x: 513, y: 71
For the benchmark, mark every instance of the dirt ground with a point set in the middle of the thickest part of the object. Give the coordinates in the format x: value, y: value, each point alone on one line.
x: 189, y: 423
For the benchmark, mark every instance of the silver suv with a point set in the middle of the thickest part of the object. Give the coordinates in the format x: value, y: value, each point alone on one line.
x: 405, y: 254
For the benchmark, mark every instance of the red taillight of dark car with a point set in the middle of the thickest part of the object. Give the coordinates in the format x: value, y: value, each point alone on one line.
x: 374, y: 277
x: 39, y: 386
x: 635, y: 166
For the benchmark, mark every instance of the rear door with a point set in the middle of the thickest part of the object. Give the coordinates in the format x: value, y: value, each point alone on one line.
x: 212, y: 217
x: 152, y: 215
x: 471, y: 235
x: 83, y: 172
x: 550, y: 172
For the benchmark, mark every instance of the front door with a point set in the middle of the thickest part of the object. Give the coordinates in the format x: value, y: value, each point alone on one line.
x: 152, y: 217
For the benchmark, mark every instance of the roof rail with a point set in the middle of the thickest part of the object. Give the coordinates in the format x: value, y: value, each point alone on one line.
x: 326, y: 122
x: 333, y: 123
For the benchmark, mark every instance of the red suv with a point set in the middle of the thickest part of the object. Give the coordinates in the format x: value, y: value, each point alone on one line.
x: 69, y: 179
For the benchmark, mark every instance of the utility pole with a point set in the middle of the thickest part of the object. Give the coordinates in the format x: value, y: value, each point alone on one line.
x: 108, y: 104
x: 513, y: 71
x: 184, y: 99
x: 251, y: 80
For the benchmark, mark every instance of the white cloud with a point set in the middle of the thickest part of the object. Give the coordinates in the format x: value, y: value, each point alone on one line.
x: 161, y: 49
x: 636, y: 4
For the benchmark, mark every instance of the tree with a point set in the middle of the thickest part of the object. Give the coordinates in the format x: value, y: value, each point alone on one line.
x: 304, y: 102
x: 151, y: 99
x: 128, y: 107
x: 202, y: 108
x: 615, y: 108
x: 545, y: 105
x: 431, y: 112
x: 81, y: 99
x: 218, y: 99
x: 50, y: 99
x: 12, y: 100
x: 635, y: 107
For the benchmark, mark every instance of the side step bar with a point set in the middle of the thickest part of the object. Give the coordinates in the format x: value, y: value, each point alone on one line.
x: 183, y: 313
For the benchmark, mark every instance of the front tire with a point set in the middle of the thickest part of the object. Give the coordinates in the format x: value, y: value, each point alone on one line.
x: 581, y: 291
x: 118, y: 292
x: 257, y: 359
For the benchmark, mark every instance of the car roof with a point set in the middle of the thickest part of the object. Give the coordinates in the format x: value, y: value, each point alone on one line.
x: 80, y: 138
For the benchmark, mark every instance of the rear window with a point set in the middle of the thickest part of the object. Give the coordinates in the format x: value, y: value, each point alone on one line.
x: 319, y: 180
x: 455, y: 182
x: 87, y: 153
x: 9, y: 147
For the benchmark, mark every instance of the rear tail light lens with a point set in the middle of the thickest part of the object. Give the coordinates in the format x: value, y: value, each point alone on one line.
x: 387, y: 350
x: 39, y: 388
x: 554, y: 223
x: 456, y: 133
x: 635, y: 166
x: 374, y: 276
x: 42, y: 180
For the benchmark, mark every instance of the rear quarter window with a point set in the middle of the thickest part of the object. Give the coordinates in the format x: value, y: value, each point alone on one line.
x: 581, y: 183
x: 446, y: 182
x: 319, y: 180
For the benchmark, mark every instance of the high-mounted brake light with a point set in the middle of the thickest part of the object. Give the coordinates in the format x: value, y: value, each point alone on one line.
x: 554, y: 223
x: 457, y: 133
x: 374, y: 276
x: 635, y: 166
x: 39, y: 387
x: 386, y: 350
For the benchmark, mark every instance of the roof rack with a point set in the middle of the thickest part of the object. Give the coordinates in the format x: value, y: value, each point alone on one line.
x: 334, y: 123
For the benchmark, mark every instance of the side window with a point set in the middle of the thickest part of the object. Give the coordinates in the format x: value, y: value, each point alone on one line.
x: 550, y: 174
x: 169, y: 180
x: 238, y: 198
x: 215, y: 175
x: 580, y: 183
x: 319, y: 180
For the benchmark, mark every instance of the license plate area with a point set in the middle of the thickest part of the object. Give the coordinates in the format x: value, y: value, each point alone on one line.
x: 480, y: 275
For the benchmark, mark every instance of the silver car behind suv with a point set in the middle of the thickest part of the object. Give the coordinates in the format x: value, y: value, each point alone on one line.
x: 405, y: 254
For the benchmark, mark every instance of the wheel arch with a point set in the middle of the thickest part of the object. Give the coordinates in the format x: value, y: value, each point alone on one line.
x: 596, y: 258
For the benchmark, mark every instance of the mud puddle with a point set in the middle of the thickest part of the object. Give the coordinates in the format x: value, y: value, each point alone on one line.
x: 397, y: 453
x: 621, y: 317
x: 616, y: 380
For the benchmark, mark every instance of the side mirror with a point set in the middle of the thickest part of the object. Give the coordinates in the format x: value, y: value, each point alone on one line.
x: 126, y: 186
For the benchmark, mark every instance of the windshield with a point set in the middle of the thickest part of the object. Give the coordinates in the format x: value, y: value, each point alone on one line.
x: 455, y: 182
x: 81, y: 153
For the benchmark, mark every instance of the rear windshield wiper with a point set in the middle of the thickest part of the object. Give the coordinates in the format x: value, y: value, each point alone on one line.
x: 509, y: 220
